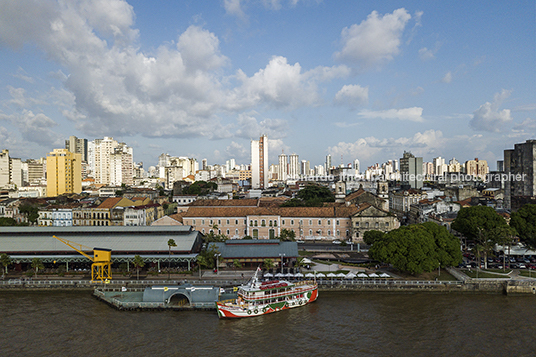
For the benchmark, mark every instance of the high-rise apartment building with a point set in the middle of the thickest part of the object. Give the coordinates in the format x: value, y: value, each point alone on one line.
x: 454, y: 166
x: 77, y: 146
x: 10, y: 171
x: 411, y: 170
x: 476, y: 168
x: 520, y: 167
x: 259, y: 163
x: 114, y: 162
x: 282, y: 167
x: 293, y: 166
x: 63, y: 172
x: 305, y: 168
x: 327, y: 165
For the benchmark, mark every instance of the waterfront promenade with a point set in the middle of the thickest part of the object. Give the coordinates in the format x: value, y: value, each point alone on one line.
x: 227, y: 279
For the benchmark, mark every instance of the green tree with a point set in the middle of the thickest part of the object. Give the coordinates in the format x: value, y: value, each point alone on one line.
x: 170, y: 243
x: 417, y: 248
x: 202, y: 262
x: 287, y: 235
x: 30, y: 211
x: 138, y: 263
x: 36, y: 265
x: 212, y: 236
x: 5, y: 260
x: 481, y: 224
x: 524, y: 222
x: 237, y: 264
x: 505, y: 237
x: 369, y: 237
x: 311, y: 195
x: 8, y: 221
x: 268, y: 263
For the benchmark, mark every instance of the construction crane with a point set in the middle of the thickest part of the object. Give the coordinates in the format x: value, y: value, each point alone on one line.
x: 101, y: 269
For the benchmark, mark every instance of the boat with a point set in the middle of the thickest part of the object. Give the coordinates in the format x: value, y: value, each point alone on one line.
x: 258, y: 297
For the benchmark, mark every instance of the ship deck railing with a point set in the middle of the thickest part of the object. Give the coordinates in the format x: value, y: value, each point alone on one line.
x: 280, y: 293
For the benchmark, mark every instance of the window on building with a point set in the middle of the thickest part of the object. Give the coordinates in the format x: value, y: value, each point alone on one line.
x: 338, y: 233
x: 319, y: 222
x: 310, y: 232
x: 236, y: 222
x: 251, y: 223
x: 329, y: 232
x: 310, y: 222
x: 329, y: 222
x: 263, y: 223
x: 203, y: 222
x: 366, y: 224
x: 275, y: 223
x: 256, y: 223
x: 377, y: 225
x: 193, y: 221
x: 338, y: 222
x: 291, y: 222
x: 283, y: 222
x: 386, y: 224
x: 219, y: 221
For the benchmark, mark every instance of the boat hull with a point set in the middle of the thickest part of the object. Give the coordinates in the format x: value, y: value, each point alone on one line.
x: 232, y: 310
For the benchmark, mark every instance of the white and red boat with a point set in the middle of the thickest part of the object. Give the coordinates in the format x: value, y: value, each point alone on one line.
x: 263, y: 297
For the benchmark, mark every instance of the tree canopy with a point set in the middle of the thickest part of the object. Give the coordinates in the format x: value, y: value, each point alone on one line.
x: 524, y: 222
x: 287, y: 235
x: 417, y: 248
x: 200, y: 188
x: 369, y: 237
x: 483, y: 225
x: 311, y: 196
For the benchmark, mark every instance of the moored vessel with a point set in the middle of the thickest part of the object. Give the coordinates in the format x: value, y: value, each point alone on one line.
x: 263, y: 297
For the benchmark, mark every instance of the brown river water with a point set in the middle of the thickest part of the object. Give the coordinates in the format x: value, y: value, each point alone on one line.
x: 60, y: 323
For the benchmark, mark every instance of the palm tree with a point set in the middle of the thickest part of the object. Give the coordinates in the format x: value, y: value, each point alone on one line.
x: 170, y: 243
x: 5, y: 260
x: 268, y: 263
x: 37, y: 264
x: 138, y: 263
x: 201, y: 261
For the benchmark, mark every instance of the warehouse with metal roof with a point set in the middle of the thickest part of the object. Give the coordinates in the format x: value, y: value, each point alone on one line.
x: 23, y: 244
x: 252, y: 252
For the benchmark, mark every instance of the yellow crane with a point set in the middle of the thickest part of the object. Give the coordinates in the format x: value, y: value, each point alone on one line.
x: 101, y: 269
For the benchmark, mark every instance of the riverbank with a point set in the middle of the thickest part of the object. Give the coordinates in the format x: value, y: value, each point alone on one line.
x: 488, y: 286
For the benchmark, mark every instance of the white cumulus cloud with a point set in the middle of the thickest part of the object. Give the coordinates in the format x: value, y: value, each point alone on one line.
x: 375, y: 40
x: 353, y: 95
x: 488, y: 117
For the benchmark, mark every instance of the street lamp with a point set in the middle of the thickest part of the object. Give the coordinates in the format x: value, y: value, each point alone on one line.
x: 281, y: 255
x: 217, y: 262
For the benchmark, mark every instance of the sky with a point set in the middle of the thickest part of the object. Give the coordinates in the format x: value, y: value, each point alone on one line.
x: 353, y: 79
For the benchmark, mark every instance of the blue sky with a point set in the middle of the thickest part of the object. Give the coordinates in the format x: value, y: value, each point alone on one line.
x: 355, y: 79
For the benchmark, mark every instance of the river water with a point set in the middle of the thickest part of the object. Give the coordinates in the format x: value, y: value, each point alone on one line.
x: 73, y: 323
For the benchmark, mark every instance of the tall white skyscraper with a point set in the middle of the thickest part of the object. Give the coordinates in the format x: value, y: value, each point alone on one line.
x: 305, y: 168
x: 328, y: 163
x: 114, y: 163
x: 282, y: 171
x: 294, y: 166
x: 259, y: 163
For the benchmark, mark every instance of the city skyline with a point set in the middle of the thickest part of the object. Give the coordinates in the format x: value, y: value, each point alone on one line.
x: 360, y: 80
